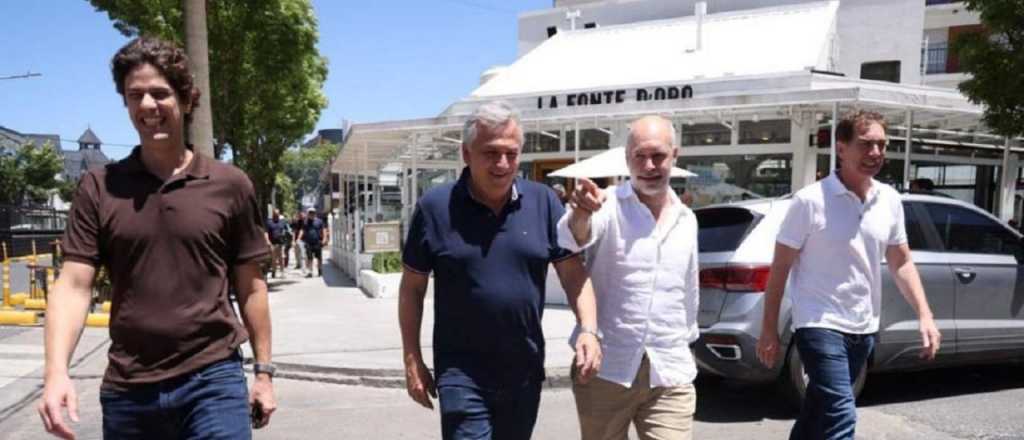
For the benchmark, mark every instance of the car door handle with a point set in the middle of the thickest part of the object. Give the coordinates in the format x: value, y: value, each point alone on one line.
x: 965, y: 274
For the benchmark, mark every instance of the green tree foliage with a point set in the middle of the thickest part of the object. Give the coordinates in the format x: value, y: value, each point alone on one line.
x: 995, y: 61
x: 304, y: 166
x: 30, y: 174
x: 266, y: 73
x: 284, y: 197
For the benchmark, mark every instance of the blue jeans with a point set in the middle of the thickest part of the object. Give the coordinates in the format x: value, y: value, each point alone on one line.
x: 833, y: 361
x: 211, y: 403
x: 501, y: 414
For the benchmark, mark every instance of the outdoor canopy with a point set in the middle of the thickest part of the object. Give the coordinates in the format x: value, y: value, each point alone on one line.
x: 611, y: 163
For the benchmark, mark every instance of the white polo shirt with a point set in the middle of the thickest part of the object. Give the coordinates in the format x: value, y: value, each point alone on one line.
x: 836, y: 281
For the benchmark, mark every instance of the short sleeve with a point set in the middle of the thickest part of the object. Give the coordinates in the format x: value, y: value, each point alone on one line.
x: 796, y: 226
x: 248, y: 236
x: 81, y: 236
x: 555, y: 212
x: 898, y: 235
x: 416, y: 254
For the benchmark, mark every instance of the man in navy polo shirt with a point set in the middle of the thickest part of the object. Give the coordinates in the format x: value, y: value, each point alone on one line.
x: 488, y: 239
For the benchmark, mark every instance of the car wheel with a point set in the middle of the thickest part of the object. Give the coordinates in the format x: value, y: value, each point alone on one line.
x: 794, y: 380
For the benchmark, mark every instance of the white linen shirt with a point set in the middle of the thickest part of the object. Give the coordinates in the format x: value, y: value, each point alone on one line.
x: 645, y: 278
x: 836, y: 280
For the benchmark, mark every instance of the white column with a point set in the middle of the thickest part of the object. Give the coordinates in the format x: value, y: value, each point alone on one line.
x: 576, y: 140
x: 805, y: 158
x: 832, y: 155
x: 1007, y: 183
x: 907, y: 147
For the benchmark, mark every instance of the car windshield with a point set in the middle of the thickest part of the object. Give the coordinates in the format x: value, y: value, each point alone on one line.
x: 723, y: 229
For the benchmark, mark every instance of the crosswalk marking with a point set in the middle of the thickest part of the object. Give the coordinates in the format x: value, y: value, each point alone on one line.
x: 22, y: 349
x: 13, y: 369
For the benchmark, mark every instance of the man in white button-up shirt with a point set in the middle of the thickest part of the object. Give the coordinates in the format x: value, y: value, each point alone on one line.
x: 830, y: 247
x: 642, y: 245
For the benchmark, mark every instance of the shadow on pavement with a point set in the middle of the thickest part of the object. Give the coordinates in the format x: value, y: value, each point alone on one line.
x: 277, y: 284
x: 334, y: 277
x: 887, y: 388
x: 724, y: 401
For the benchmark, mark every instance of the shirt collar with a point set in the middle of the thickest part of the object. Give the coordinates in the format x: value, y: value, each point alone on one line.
x: 462, y: 187
x: 834, y: 187
x: 198, y: 168
x: 625, y: 192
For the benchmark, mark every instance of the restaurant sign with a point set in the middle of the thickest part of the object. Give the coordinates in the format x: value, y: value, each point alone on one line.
x: 583, y: 99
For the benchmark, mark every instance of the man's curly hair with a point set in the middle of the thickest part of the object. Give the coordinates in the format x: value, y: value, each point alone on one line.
x: 169, y: 59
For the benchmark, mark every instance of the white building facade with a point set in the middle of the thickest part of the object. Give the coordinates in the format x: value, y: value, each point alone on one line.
x: 753, y: 87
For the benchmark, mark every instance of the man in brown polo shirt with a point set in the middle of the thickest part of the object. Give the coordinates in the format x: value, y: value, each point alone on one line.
x: 173, y: 229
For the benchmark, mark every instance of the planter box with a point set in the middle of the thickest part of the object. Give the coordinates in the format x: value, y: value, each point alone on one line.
x: 379, y: 285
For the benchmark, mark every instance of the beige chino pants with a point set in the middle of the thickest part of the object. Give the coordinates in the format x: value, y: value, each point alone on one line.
x: 606, y: 408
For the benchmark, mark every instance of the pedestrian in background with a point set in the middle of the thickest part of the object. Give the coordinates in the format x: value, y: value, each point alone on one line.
x: 298, y: 222
x: 314, y: 237
x: 277, y: 228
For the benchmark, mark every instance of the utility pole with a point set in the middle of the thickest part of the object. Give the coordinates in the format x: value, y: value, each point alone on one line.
x: 200, y: 131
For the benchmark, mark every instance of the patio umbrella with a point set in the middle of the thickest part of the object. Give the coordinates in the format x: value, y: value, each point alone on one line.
x: 611, y: 163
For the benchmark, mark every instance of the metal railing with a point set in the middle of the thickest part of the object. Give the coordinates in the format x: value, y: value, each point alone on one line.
x: 935, y: 56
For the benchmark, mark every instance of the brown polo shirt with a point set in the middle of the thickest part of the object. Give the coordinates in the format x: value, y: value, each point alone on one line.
x: 170, y: 247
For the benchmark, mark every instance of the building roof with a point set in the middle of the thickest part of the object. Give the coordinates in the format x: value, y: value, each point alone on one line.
x: 88, y: 137
x: 780, y: 39
x: 11, y: 140
x: 78, y: 162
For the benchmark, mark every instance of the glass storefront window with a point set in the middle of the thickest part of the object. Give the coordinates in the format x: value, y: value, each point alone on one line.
x: 704, y: 134
x: 590, y: 139
x: 765, y: 132
x: 730, y: 178
x: 537, y: 142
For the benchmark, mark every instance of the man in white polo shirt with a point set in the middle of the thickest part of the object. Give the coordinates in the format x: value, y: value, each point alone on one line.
x: 643, y: 267
x: 831, y: 244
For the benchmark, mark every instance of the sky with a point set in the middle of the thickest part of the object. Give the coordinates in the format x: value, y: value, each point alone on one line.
x: 387, y: 59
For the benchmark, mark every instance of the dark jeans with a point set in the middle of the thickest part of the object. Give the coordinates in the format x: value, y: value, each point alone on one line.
x: 503, y: 414
x: 832, y: 361
x: 212, y: 403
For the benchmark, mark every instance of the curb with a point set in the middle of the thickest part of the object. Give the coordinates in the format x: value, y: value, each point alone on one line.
x: 556, y: 378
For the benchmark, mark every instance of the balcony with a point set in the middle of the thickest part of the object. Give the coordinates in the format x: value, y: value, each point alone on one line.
x: 940, y: 2
x: 935, y: 59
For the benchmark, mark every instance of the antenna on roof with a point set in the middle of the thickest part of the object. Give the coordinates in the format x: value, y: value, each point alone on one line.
x: 572, y: 16
x: 700, y: 9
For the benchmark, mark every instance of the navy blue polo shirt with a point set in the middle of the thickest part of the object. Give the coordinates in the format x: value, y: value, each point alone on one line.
x: 489, y: 276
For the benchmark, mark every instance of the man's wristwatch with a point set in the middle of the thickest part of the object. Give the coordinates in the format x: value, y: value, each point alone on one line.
x: 591, y: 330
x: 268, y: 369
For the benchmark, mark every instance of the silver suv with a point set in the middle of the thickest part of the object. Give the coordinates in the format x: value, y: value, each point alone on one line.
x: 971, y: 264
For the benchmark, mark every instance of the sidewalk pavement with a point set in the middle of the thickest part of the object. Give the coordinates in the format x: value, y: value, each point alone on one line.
x: 325, y: 329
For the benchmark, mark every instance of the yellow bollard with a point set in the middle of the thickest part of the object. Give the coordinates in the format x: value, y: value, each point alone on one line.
x: 32, y: 291
x: 16, y: 317
x: 51, y: 278
x: 6, y: 304
x: 35, y: 304
x: 18, y: 298
x: 105, y: 307
x: 34, y: 260
x: 97, y: 320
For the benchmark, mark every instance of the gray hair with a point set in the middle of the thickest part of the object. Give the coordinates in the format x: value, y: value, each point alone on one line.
x: 671, y: 126
x: 491, y: 114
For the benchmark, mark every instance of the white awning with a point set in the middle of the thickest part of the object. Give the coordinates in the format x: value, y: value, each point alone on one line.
x: 611, y: 163
x: 779, y: 39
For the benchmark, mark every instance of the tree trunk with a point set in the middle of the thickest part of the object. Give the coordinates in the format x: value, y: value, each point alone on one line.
x: 201, y: 129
